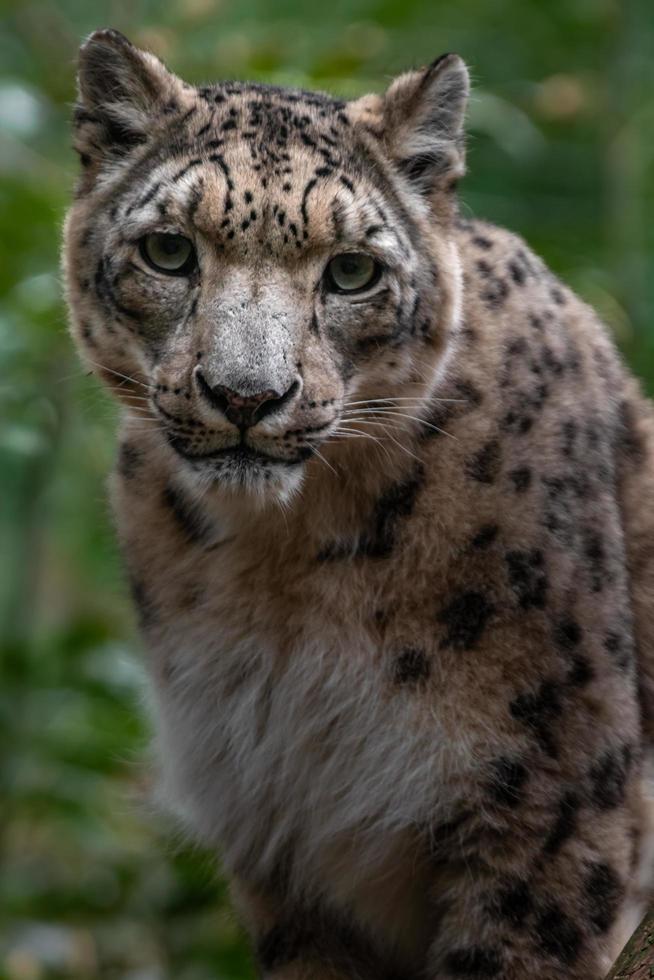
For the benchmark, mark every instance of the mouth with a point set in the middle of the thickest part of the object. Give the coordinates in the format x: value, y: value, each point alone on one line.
x: 238, y: 455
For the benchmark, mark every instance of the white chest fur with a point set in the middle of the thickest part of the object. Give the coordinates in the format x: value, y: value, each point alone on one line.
x: 303, y: 753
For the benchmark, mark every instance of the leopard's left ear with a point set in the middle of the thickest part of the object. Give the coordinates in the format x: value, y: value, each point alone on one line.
x: 424, y: 116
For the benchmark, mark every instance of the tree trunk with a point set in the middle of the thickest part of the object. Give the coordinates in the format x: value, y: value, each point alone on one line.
x: 636, y: 961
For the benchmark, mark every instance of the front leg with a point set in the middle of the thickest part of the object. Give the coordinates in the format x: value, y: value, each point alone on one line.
x: 536, y: 891
x: 293, y: 941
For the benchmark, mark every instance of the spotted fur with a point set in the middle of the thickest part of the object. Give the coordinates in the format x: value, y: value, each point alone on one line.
x: 399, y: 629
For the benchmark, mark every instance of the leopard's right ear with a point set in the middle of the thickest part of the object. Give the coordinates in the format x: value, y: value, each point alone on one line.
x: 124, y: 95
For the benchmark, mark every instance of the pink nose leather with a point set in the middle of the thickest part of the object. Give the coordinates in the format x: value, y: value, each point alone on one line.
x: 242, y: 410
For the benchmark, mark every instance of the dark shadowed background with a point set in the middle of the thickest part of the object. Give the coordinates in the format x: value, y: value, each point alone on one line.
x: 561, y: 150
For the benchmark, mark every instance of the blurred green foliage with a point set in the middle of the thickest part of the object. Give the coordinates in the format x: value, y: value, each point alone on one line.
x: 92, y: 884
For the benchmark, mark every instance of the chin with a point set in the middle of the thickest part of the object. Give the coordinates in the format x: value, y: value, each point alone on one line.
x: 254, y: 479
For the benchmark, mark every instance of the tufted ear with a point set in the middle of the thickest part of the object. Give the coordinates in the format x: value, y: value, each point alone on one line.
x: 122, y: 91
x: 424, y: 114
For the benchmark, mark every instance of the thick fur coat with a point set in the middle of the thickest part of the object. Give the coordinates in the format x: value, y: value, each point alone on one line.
x: 391, y: 543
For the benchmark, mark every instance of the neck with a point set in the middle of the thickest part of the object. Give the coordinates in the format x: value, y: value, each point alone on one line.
x: 338, y: 499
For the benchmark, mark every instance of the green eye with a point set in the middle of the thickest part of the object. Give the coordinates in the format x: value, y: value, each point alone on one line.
x: 172, y: 254
x: 352, y: 272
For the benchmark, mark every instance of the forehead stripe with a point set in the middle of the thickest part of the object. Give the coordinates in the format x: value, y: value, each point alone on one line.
x: 303, y: 207
x: 184, y: 170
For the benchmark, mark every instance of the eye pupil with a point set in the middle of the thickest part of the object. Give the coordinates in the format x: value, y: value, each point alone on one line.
x: 170, y: 246
x: 172, y: 254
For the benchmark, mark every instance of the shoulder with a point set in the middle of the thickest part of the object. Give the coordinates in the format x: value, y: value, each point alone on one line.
x: 503, y: 267
x: 510, y: 293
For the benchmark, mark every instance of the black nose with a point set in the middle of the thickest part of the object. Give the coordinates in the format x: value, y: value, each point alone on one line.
x: 244, y: 410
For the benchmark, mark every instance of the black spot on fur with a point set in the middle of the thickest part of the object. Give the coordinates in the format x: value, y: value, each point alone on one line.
x: 396, y: 503
x: 609, y: 778
x: 379, y: 538
x: 513, y: 903
x: 469, y: 335
x: 442, y: 837
x: 441, y: 414
x: 411, y: 667
x: 564, y: 825
x: 537, y: 711
x: 473, y: 962
x: 485, y: 536
x: 129, y: 460
x: 619, y: 646
x: 509, y: 778
x: 551, y: 362
x: 517, y: 273
x: 558, y: 936
x: 559, y: 508
x: 569, y: 435
x: 567, y: 634
x: 594, y: 553
x: 495, y: 293
x: 465, y: 619
x: 517, y: 422
x: 145, y: 605
x: 485, y: 464
x: 604, y: 892
x: 628, y: 440
x: 466, y: 390
x: 190, y: 520
x: 521, y: 478
x: 381, y: 616
x: 527, y: 577
x: 517, y: 347
x: 581, y: 672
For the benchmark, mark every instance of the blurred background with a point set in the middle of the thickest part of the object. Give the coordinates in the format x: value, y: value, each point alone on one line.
x: 561, y: 150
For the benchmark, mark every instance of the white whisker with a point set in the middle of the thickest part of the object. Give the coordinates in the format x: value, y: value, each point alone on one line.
x: 133, y: 397
x: 384, y: 425
x: 357, y: 433
x: 118, y: 374
x: 321, y: 457
x: 413, y: 418
x: 401, y: 398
